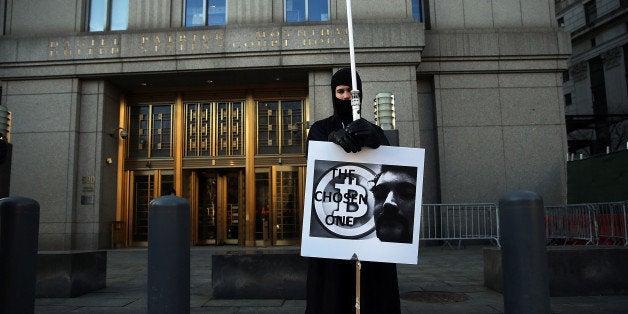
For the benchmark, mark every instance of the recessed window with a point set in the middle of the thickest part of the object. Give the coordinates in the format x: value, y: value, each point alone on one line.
x: 566, y: 76
x: 280, y: 127
x: 590, y: 12
x: 150, y: 132
x: 418, y: 10
x: 567, y: 100
x: 561, y: 22
x: 306, y: 10
x: 205, y: 12
x: 108, y: 15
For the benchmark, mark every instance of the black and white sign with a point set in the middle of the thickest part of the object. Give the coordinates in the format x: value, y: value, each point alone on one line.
x: 367, y: 204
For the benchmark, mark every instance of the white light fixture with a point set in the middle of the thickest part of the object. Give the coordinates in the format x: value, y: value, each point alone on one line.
x: 384, y: 110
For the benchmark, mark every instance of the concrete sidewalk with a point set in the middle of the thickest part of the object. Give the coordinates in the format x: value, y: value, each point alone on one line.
x: 445, y: 281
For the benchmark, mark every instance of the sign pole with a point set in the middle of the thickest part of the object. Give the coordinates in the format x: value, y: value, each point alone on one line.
x: 358, y: 268
x: 355, y: 110
x: 355, y: 93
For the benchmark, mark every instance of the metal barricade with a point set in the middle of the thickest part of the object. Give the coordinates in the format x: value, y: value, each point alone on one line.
x: 458, y: 222
x: 588, y: 224
x: 610, y: 223
x: 569, y: 224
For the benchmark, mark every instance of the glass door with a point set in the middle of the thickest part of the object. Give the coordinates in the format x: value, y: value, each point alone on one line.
x: 207, y: 207
x: 288, y: 209
x: 219, y: 206
x: 263, y: 207
x: 233, y: 188
x: 147, y: 185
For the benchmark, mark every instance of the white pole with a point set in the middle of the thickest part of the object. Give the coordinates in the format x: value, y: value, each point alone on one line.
x: 355, y: 93
x: 355, y: 108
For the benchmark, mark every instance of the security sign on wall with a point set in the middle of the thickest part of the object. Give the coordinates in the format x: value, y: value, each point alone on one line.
x: 367, y: 204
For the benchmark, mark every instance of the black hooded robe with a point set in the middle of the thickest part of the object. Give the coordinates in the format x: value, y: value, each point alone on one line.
x: 331, y: 283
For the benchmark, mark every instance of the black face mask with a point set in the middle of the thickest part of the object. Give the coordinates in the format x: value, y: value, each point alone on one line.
x: 342, y: 108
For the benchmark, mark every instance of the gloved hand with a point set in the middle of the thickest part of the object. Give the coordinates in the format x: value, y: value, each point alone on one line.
x: 366, y: 133
x: 345, y: 140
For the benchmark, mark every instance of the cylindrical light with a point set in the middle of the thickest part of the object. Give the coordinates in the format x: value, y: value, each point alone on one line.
x: 384, y: 111
x: 4, y: 121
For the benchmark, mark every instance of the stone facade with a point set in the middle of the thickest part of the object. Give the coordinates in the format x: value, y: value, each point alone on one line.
x: 478, y: 85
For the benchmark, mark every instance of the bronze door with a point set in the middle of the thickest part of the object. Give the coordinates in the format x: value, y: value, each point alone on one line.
x: 219, y: 206
x: 146, y: 186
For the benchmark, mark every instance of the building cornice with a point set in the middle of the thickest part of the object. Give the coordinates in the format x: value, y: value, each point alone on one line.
x: 193, y: 49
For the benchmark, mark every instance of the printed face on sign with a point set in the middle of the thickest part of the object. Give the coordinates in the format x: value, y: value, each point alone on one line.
x: 394, y: 191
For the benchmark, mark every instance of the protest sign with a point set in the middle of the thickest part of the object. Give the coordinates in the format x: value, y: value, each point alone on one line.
x: 367, y: 203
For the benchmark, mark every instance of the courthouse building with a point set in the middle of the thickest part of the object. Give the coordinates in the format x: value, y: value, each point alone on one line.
x: 114, y: 103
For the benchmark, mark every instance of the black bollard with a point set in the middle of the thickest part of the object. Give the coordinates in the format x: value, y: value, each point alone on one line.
x: 18, y: 254
x: 169, y: 255
x: 5, y: 167
x: 524, y: 255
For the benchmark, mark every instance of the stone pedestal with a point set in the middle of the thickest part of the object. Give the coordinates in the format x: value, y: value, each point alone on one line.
x: 65, y: 274
x: 259, y: 276
x: 573, y: 270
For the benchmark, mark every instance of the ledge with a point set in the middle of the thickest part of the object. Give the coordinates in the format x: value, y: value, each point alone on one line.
x: 63, y: 274
x: 259, y: 275
x: 573, y: 270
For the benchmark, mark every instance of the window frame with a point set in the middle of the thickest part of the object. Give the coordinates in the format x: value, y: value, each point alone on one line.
x: 424, y: 12
x: 280, y: 127
x: 590, y: 12
x: 307, y: 12
x: 420, y: 15
x: 568, y: 100
x: 107, y: 19
x: 560, y: 22
x: 206, y: 14
x: 142, y: 144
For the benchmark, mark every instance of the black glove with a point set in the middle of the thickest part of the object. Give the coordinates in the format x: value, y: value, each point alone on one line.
x: 366, y: 133
x: 345, y: 140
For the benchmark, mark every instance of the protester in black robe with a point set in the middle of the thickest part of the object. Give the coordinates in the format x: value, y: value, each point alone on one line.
x: 331, y: 282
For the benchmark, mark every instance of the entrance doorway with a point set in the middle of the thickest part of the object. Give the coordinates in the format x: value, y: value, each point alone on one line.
x: 278, y: 195
x: 237, y: 158
x: 219, y: 205
x: 146, y: 186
